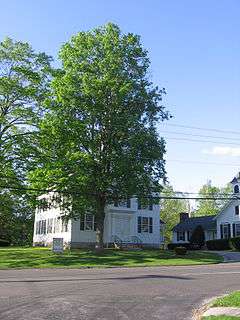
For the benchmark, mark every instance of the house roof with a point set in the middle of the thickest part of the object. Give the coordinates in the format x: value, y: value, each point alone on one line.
x: 207, y: 223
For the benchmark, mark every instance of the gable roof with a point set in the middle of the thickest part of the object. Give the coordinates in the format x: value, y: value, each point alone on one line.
x: 207, y: 223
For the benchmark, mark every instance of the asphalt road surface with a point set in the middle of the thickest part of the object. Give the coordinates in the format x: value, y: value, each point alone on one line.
x: 168, y: 293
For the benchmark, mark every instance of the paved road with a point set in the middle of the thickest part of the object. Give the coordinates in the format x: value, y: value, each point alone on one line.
x: 166, y: 293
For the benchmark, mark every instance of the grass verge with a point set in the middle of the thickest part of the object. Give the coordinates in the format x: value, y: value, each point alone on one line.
x: 231, y: 300
x: 220, y: 318
x: 16, y: 257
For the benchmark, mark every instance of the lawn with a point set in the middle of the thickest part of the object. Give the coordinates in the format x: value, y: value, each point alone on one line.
x: 231, y: 300
x: 15, y: 257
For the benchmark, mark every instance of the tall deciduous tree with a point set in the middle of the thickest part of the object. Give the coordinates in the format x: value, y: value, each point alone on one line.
x: 99, y: 139
x: 24, y: 79
x: 170, y: 211
x: 211, y: 207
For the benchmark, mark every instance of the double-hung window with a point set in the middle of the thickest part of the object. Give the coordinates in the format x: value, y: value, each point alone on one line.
x: 180, y: 235
x: 87, y: 222
x: 145, y: 224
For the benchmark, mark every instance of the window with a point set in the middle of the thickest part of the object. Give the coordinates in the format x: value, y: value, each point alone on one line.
x: 225, y: 231
x: 237, y: 210
x: 41, y: 227
x: 189, y: 234
x: 87, y: 222
x: 64, y: 225
x: 236, y: 229
x: 180, y: 235
x: 56, y: 228
x: 236, y: 189
x: 50, y: 225
x: 145, y: 225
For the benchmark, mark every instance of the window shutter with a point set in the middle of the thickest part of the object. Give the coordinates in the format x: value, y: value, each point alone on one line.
x: 82, y: 216
x: 229, y: 231
x: 188, y: 235
x: 237, y: 210
x: 150, y: 225
x: 177, y: 235
x: 221, y: 231
x: 234, y: 229
x: 95, y: 223
x: 139, y: 224
x: 139, y: 204
x: 128, y: 203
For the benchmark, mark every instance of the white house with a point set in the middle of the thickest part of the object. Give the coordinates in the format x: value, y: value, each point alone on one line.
x: 225, y: 224
x: 128, y: 222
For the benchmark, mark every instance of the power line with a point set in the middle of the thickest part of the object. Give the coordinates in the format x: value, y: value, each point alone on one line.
x: 202, y: 162
x: 144, y: 197
x: 203, y: 129
x: 205, y: 141
x: 199, y: 135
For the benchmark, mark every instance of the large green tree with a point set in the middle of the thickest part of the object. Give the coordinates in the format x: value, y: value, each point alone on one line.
x: 99, y: 138
x: 24, y: 84
x: 211, y: 206
x: 170, y: 211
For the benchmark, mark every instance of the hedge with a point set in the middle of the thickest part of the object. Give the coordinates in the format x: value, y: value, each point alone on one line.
x: 218, y: 244
x: 4, y: 243
x: 172, y: 246
x: 235, y: 242
x: 180, y: 251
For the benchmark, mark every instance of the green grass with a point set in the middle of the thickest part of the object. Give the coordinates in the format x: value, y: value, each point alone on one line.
x: 220, y: 318
x: 231, y: 300
x: 15, y: 257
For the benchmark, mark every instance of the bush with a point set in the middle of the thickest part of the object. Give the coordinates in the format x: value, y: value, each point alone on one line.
x: 4, y: 243
x: 218, y: 244
x: 180, y: 251
x: 198, y: 238
x: 172, y: 246
x: 235, y: 242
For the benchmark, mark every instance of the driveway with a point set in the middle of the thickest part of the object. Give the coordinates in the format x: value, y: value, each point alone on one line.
x: 166, y: 293
x: 229, y: 256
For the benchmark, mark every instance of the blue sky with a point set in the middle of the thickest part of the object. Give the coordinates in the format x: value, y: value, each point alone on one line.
x: 195, y: 52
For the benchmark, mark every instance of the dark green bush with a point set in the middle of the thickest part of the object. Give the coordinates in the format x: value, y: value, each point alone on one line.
x: 172, y: 246
x: 180, y: 251
x: 235, y: 242
x: 4, y: 243
x: 197, y: 239
x: 218, y: 244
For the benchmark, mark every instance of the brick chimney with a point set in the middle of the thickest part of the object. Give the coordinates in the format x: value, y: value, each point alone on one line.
x: 184, y: 216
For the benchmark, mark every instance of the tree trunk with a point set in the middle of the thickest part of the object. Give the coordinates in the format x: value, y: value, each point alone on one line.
x: 100, y: 216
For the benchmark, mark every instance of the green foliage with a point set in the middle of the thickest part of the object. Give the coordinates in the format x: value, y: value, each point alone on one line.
x: 99, y: 138
x: 198, y: 237
x: 24, y: 79
x: 170, y: 211
x: 231, y: 300
x: 218, y: 244
x: 211, y: 207
x: 180, y: 251
x: 235, y: 243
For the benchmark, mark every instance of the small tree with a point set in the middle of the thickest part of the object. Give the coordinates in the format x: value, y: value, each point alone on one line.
x: 198, y: 237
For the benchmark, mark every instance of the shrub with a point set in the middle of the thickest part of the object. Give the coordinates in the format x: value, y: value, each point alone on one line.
x: 172, y: 246
x: 218, y: 244
x: 197, y: 239
x: 4, y: 243
x: 235, y: 242
x: 180, y: 251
